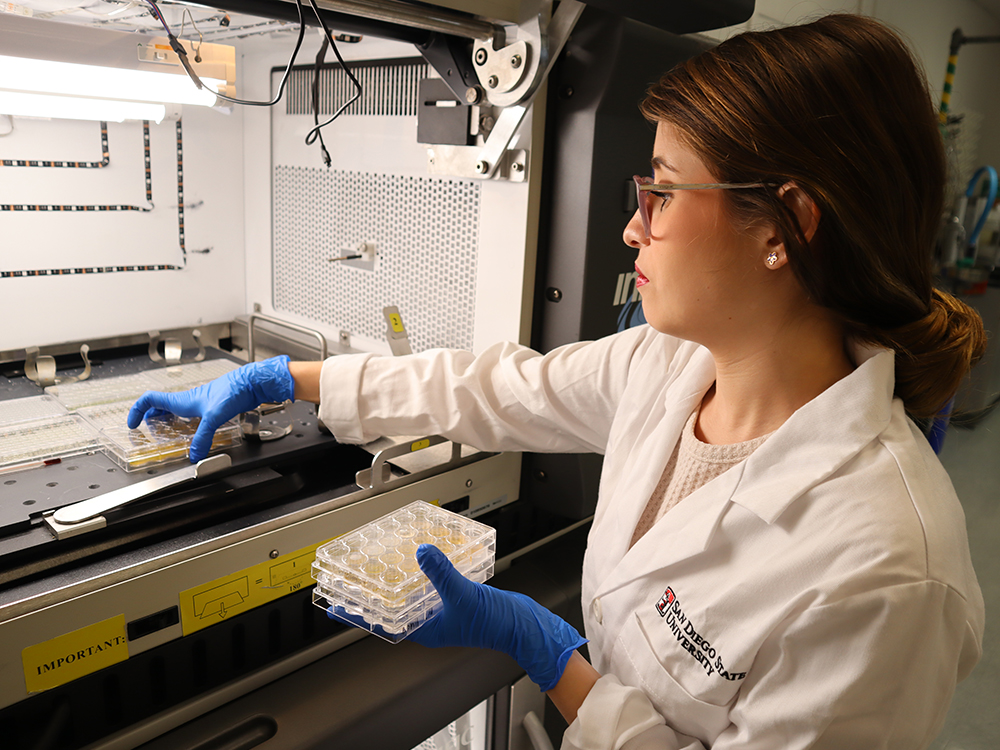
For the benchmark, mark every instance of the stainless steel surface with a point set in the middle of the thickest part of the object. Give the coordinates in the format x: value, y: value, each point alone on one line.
x: 250, y: 423
x: 545, y: 38
x: 173, y: 349
x: 525, y: 698
x: 296, y: 347
x: 417, y: 17
x: 95, y: 506
x: 255, y: 316
x: 477, y: 161
x: 68, y: 530
x: 41, y: 369
x: 504, y: 69
x: 211, y: 334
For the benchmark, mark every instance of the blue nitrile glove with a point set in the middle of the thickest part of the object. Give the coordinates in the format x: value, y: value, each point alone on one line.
x: 481, y: 616
x: 219, y: 401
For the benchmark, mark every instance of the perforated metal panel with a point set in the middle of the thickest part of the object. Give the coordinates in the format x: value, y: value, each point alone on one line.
x: 426, y: 230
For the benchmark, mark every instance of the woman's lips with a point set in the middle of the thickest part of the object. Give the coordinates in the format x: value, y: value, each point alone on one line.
x: 640, y: 279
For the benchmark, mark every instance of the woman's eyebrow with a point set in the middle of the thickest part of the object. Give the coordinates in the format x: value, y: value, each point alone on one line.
x: 659, y: 161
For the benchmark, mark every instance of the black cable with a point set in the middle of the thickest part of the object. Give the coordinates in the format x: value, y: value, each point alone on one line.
x: 314, y: 133
x: 182, y: 54
x: 320, y: 57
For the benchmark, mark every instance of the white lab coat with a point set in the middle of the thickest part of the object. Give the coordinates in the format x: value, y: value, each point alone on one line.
x: 819, y: 594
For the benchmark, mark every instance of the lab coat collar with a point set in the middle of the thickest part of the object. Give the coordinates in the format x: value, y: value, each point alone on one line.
x: 812, y: 444
x: 820, y: 437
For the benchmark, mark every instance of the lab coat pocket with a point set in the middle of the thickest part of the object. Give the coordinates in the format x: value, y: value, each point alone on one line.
x: 675, y: 676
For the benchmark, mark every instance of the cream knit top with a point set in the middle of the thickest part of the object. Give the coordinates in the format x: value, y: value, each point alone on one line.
x: 692, y: 465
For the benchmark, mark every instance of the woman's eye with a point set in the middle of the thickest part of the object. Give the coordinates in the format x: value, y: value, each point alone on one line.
x: 664, y: 198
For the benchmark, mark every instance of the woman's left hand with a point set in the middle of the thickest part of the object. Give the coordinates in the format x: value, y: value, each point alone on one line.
x: 480, y: 616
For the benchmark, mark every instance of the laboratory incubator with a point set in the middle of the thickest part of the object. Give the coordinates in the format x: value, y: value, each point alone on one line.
x: 313, y: 179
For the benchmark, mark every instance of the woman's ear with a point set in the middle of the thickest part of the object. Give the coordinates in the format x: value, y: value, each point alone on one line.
x: 807, y: 216
x: 807, y: 213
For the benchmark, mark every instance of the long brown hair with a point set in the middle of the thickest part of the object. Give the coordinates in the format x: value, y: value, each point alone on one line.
x: 841, y: 108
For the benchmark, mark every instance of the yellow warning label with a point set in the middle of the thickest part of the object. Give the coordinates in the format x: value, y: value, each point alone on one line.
x: 396, y: 322
x: 419, y: 445
x: 234, y: 594
x: 73, y: 655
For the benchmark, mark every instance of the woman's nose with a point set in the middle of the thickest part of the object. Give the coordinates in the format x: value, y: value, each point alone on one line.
x: 634, y: 234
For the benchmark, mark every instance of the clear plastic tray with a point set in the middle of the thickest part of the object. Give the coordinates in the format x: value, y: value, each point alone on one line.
x: 28, y: 409
x: 43, y: 439
x: 159, y: 440
x: 372, y: 576
x: 103, y: 390
x: 103, y: 416
x: 94, y: 392
x: 183, y: 377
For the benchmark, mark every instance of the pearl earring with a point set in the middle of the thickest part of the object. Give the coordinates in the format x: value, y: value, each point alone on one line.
x: 772, y: 258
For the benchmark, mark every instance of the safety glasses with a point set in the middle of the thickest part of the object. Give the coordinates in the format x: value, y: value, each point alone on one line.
x: 644, y: 187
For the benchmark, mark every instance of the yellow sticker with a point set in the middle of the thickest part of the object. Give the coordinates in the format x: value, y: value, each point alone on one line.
x: 396, y: 322
x: 234, y: 594
x: 68, y: 657
x: 419, y: 445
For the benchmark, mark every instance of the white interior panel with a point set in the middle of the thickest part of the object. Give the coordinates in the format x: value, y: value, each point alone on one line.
x: 49, y: 309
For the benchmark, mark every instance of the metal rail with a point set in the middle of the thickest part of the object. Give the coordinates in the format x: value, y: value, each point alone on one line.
x: 416, y: 17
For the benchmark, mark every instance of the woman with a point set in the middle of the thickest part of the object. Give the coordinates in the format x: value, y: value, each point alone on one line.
x: 777, y: 560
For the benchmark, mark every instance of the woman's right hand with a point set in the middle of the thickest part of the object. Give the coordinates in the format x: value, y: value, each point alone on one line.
x: 217, y: 402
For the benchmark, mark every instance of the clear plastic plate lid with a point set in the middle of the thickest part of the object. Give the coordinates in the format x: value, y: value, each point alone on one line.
x: 372, y: 575
x: 157, y: 440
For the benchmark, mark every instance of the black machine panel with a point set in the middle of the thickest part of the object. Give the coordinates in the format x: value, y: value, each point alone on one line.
x: 596, y: 140
x: 680, y: 16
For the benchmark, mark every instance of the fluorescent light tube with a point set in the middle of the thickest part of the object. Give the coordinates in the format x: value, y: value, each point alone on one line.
x: 78, y: 108
x: 74, y: 79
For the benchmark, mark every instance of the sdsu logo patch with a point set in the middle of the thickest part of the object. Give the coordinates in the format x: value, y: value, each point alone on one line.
x: 665, y: 601
x: 702, y: 651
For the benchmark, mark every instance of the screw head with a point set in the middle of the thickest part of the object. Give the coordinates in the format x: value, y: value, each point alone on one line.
x: 482, y: 167
x: 468, y: 482
x: 273, y: 554
x: 517, y: 166
x: 473, y: 94
x: 492, y: 82
x: 480, y: 57
x: 515, y: 61
x: 553, y: 295
x: 541, y: 476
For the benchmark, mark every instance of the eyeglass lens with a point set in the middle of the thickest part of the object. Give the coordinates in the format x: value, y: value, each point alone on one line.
x: 643, y: 200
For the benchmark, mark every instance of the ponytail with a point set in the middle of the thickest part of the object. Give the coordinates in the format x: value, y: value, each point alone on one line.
x: 933, y: 354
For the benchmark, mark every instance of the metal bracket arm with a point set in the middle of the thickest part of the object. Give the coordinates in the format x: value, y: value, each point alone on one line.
x: 41, y: 368
x: 92, y: 508
x: 173, y: 349
x: 378, y: 476
x: 483, y: 161
x: 512, y: 74
x: 250, y: 423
